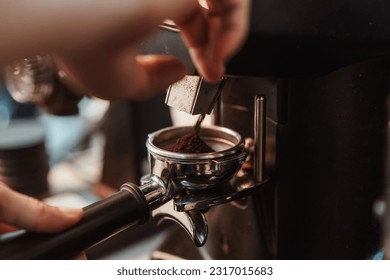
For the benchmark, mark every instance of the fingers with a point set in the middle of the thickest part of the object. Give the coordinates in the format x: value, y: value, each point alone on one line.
x: 121, y: 75
x: 194, y: 26
x: 157, y: 73
x: 150, y: 13
x: 114, y: 24
x: 231, y: 26
x: 29, y: 213
x: 138, y: 77
x: 215, y: 34
x: 211, y: 68
x: 4, y: 228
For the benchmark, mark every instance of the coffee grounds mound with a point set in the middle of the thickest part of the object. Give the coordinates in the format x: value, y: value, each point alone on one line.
x: 191, y: 144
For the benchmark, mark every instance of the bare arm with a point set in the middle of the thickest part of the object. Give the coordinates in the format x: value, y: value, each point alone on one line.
x: 95, y: 41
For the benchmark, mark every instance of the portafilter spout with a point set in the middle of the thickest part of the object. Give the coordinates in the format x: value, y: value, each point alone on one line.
x: 168, y: 192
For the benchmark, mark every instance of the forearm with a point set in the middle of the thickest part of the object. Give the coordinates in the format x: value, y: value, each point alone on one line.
x: 29, y: 27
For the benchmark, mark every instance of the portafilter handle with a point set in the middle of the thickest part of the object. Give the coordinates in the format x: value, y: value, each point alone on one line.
x: 132, y: 205
x: 126, y: 208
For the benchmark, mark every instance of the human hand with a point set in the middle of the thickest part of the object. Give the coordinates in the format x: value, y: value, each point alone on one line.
x: 109, y: 65
x: 115, y: 69
x: 95, y: 42
x: 212, y: 41
x: 18, y: 211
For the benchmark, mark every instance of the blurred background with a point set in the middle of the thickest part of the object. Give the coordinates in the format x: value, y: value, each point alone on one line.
x: 76, y: 158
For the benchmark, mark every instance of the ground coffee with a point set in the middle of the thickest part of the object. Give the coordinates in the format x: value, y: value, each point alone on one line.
x: 191, y: 142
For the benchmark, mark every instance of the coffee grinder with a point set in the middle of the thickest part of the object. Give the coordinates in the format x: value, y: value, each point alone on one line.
x: 300, y: 128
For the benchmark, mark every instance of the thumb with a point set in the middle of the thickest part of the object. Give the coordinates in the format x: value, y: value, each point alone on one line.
x: 34, y: 215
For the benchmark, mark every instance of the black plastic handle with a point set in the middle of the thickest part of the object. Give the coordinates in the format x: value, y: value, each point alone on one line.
x: 101, y: 219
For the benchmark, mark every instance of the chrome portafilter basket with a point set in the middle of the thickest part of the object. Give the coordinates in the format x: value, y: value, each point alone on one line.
x: 180, y: 187
x: 192, y: 183
x: 195, y: 171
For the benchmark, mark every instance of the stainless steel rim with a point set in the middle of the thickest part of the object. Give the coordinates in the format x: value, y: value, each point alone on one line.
x: 209, y: 133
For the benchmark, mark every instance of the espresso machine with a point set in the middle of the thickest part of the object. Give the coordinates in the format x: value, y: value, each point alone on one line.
x: 299, y: 128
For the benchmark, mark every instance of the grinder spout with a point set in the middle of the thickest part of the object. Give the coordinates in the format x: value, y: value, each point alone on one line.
x: 194, y: 95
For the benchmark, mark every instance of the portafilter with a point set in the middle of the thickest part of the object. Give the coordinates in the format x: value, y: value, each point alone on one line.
x: 180, y: 187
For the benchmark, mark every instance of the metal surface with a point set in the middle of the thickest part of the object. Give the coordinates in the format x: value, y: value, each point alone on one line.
x: 193, y: 95
x: 154, y: 190
x: 196, y: 171
x: 259, y: 130
x: 193, y: 222
x: 196, y: 182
